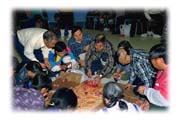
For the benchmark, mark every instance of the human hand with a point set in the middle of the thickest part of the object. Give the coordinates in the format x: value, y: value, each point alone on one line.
x: 69, y: 65
x: 82, y: 63
x: 97, y: 79
x: 141, y: 89
x: 89, y: 73
x: 86, y: 48
x: 63, y: 67
x: 128, y: 86
x: 47, y: 64
x: 117, y: 76
x: 43, y: 65
x: 145, y: 105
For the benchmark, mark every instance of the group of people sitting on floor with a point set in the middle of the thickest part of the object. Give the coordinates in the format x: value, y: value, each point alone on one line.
x: 44, y: 57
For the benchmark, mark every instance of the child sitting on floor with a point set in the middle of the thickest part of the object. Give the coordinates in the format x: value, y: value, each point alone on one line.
x: 113, y: 99
x: 60, y: 57
x: 63, y: 99
x: 158, y: 95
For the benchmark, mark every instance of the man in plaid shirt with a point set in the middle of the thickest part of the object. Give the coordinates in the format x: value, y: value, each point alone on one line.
x: 141, y: 70
x: 99, y: 58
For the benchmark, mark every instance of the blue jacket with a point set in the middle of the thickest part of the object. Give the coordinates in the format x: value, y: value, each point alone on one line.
x: 51, y: 58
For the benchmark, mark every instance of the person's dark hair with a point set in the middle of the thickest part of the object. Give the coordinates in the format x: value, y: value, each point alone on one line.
x: 38, y: 17
x: 125, y: 45
x: 158, y: 51
x: 49, y: 35
x: 41, y: 81
x: 114, y: 94
x: 76, y: 28
x: 100, y: 38
x: 60, y: 46
x: 56, y: 15
x: 34, y: 67
x: 64, y: 99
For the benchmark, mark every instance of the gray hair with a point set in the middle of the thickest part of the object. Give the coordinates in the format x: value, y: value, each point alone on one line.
x: 112, y: 90
x: 49, y: 35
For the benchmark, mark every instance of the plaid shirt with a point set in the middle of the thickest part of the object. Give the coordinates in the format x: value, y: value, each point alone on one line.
x: 92, y: 55
x: 141, y: 67
x: 78, y: 48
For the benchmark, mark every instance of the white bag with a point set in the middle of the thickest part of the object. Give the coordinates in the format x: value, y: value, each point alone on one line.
x: 125, y: 29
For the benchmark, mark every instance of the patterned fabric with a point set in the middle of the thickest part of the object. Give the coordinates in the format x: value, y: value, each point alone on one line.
x: 78, y: 48
x: 27, y: 99
x: 141, y: 67
x: 92, y: 55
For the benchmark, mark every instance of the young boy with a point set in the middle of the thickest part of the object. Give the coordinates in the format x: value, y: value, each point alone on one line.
x: 158, y: 95
x: 59, y: 59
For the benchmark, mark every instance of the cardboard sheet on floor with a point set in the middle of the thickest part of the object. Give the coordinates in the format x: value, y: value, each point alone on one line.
x: 71, y: 80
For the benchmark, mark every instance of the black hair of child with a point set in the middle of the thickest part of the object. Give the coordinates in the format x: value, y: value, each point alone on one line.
x: 158, y: 51
x: 126, y: 46
x: 60, y: 46
x: 63, y: 99
x: 34, y: 67
x: 41, y: 81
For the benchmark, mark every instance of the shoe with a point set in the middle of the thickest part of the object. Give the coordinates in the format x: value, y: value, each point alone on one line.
x: 144, y: 35
x: 156, y: 36
x: 53, y: 78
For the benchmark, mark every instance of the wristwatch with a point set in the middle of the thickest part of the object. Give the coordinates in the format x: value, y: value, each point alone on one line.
x: 100, y: 75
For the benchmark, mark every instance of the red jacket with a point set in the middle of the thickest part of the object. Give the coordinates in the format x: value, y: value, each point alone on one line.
x: 161, y: 83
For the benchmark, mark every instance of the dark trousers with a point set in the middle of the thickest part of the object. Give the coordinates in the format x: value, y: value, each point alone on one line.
x: 20, y: 49
x: 158, y: 24
x: 96, y: 66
